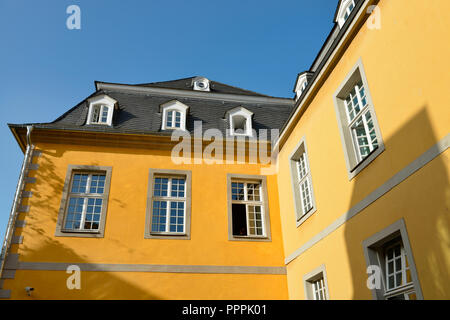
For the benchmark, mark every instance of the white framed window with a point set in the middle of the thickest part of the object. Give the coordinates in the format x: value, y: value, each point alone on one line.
x: 359, y: 129
x: 318, y: 287
x: 84, y: 201
x: 360, y: 122
x: 304, y: 183
x: 315, y: 284
x: 248, y: 209
x: 304, y: 200
x: 101, y: 109
x: 174, y: 115
x: 301, y: 83
x: 173, y: 119
x: 169, y: 203
x: 100, y: 114
x: 248, y: 215
x: 240, y: 120
x: 346, y: 7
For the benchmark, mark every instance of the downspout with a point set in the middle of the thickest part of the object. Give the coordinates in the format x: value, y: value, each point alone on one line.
x: 17, y: 201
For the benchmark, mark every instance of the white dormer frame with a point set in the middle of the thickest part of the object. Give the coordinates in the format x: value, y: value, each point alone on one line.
x: 173, y: 107
x: 242, y: 113
x: 98, y: 105
x: 344, y: 11
x: 300, y: 85
x: 201, y: 84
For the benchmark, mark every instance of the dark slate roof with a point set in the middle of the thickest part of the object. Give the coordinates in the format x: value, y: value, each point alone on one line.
x: 139, y: 112
x: 186, y: 84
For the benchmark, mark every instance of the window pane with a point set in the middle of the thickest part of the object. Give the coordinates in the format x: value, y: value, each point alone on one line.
x: 161, y: 187
x: 239, y: 219
x: 237, y: 191
x: 97, y: 184
x: 177, y: 120
x: 362, y: 141
x: 177, y: 188
x: 74, y: 213
x: 253, y: 192
x: 159, y: 216
x: 105, y: 114
x: 255, y: 220
x: 95, y: 114
x: 79, y: 183
x: 176, y: 221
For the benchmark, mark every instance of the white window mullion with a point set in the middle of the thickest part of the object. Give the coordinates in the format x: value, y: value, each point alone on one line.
x: 85, y: 202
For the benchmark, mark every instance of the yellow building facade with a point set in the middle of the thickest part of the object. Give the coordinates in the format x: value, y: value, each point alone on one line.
x: 353, y: 205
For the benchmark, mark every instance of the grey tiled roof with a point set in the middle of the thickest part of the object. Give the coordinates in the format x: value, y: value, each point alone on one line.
x: 186, y: 84
x: 139, y: 112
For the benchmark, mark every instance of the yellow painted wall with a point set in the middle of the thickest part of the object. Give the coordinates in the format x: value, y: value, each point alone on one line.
x: 124, y: 242
x: 406, y: 64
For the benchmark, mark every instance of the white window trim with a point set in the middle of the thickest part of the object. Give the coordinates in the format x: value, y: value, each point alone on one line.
x: 174, y: 105
x: 169, y: 199
x: 157, y: 173
x: 247, y: 114
x: 264, y: 210
x: 248, y: 203
x: 102, y: 100
x: 343, y: 9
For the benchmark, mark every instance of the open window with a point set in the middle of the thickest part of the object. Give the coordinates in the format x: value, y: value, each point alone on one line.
x: 101, y: 110
x: 240, y: 120
x: 248, y: 209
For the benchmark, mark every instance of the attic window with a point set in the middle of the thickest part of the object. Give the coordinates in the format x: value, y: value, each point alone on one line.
x: 174, y: 115
x: 301, y: 83
x: 346, y: 8
x: 240, y: 122
x: 99, y: 114
x: 101, y: 109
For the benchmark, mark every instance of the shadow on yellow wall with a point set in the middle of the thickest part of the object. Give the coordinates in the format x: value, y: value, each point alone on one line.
x: 422, y: 200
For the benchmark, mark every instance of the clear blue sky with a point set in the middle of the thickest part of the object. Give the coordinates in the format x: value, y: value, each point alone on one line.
x: 45, y: 69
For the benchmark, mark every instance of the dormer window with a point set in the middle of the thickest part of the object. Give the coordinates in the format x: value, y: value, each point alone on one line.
x: 173, y: 119
x: 101, y: 109
x: 200, y: 84
x: 301, y: 83
x: 346, y: 7
x: 240, y: 120
x: 100, y: 114
x: 174, y: 115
